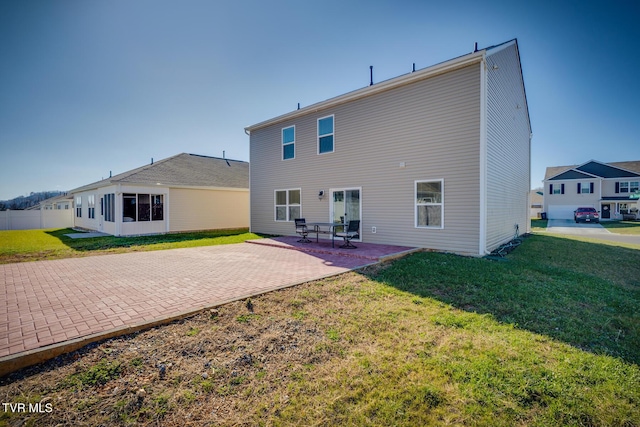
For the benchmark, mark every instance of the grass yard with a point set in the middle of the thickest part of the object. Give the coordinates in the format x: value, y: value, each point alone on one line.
x: 34, y: 245
x: 622, y: 227
x: 547, y: 338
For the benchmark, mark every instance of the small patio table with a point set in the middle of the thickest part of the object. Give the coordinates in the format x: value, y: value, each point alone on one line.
x: 318, y: 229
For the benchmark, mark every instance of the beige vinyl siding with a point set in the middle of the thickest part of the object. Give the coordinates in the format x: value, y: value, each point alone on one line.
x: 200, y: 209
x: 85, y: 221
x: 431, y: 125
x: 508, y: 149
x: 571, y: 196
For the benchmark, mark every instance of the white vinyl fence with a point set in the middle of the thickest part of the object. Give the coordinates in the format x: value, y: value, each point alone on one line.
x: 29, y: 220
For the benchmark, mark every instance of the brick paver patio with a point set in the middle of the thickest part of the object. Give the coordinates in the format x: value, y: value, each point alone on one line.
x: 45, y: 303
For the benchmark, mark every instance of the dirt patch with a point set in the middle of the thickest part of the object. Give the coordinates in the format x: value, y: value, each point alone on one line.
x: 210, y: 368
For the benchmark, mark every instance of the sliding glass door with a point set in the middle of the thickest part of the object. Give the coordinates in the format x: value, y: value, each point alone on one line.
x: 346, y: 205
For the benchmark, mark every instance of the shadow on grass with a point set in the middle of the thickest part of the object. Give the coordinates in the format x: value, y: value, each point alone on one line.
x: 584, y: 294
x: 111, y: 242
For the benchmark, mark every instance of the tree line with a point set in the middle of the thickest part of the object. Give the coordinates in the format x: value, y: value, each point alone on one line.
x: 24, y: 202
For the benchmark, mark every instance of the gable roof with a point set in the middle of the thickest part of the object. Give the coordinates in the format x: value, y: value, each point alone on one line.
x: 441, y: 68
x: 572, y: 174
x: 605, y: 171
x: 594, y: 168
x: 191, y: 170
x: 633, y: 166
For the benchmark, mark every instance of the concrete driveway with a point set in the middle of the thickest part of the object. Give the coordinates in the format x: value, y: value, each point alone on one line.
x: 568, y: 226
x: 51, y: 307
x: 594, y: 231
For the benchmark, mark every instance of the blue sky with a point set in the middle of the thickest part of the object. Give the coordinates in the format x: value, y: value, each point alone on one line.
x: 88, y: 87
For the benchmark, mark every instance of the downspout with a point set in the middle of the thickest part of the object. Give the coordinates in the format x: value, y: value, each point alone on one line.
x: 166, y: 207
x: 248, y: 133
x: 118, y: 209
x: 482, y: 245
x: 528, y: 207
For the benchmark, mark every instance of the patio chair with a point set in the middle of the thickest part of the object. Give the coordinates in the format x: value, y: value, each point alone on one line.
x: 350, y: 233
x: 302, y: 230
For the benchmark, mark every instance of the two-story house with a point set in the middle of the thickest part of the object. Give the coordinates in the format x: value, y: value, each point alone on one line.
x: 610, y: 188
x: 437, y: 158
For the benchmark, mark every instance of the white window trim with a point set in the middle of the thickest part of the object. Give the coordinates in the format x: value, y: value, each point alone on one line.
x: 288, y: 143
x: 287, y: 205
x: 326, y: 134
x: 415, y: 204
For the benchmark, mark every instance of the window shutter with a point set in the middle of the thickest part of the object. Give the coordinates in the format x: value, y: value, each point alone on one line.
x: 579, y: 187
x: 591, y: 187
x: 551, y: 189
x: 561, y: 188
x: 617, y: 187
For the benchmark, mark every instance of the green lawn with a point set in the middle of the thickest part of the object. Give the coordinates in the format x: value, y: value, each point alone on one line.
x: 622, y: 227
x: 618, y: 227
x: 547, y: 338
x: 32, y: 245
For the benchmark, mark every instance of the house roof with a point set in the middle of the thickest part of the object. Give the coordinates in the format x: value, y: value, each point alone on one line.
x: 51, y: 200
x: 189, y: 170
x: 605, y: 171
x: 443, y: 67
x: 594, y: 168
x: 572, y: 174
x: 56, y: 199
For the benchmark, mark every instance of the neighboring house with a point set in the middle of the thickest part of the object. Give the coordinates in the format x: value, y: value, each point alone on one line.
x: 537, y: 199
x: 186, y: 192
x: 61, y: 202
x: 438, y: 158
x: 611, y: 188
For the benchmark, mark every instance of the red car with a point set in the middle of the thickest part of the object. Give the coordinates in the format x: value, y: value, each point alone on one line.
x: 586, y: 215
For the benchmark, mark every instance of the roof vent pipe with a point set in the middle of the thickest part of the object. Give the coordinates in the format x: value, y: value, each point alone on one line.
x: 370, y: 75
x: 152, y: 160
x: 414, y: 68
x: 475, y: 47
x: 298, y: 105
x: 109, y: 174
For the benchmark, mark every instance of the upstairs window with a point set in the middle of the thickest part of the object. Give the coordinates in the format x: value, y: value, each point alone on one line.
x: 288, y: 143
x: 325, y: 135
x: 556, y: 189
x: 585, y: 187
x: 629, y: 187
